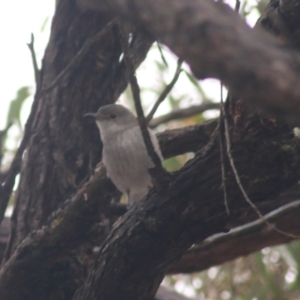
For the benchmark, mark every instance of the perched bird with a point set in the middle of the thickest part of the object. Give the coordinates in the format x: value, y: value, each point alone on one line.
x: 124, y: 152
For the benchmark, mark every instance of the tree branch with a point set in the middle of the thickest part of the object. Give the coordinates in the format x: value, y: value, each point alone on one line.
x: 194, y: 30
x: 15, y: 167
x: 69, y: 225
x: 253, y: 236
x: 186, y: 139
x: 169, y: 223
x: 183, y: 113
x: 158, y: 230
x: 165, y: 92
x: 221, y: 248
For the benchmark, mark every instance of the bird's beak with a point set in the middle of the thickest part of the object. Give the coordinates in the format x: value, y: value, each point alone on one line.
x: 91, y: 115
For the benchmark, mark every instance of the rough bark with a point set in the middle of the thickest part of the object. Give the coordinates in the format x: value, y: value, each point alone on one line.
x: 157, y: 231
x: 64, y: 146
x: 225, y: 246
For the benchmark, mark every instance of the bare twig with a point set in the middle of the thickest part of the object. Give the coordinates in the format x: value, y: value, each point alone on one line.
x: 137, y: 101
x: 238, y: 181
x: 183, y: 113
x: 224, y: 247
x: 34, y: 61
x: 236, y: 175
x: 166, y: 91
x: 161, y: 54
x: 79, y: 56
x: 253, y: 226
x: 7, y: 187
x: 15, y: 167
x: 221, y: 139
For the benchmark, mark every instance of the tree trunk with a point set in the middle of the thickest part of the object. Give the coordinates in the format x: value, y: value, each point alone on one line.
x: 62, y: 202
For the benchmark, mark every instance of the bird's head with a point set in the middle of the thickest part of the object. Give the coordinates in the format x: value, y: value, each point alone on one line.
x: 113, y: 118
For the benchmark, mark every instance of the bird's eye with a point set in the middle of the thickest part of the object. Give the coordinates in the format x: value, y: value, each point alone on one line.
x: 112, y: 116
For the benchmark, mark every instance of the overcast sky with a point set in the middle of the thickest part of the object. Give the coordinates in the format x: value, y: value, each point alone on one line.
x: 18, y: 18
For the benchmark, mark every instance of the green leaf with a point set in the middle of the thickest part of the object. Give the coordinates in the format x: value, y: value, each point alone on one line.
x: 16, y: 105
x: 44, y: 24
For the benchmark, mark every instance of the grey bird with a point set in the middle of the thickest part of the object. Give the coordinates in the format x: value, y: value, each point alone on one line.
x: 124, y: 152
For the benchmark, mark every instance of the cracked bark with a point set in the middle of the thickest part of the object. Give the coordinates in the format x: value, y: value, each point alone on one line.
x: 54, y: 190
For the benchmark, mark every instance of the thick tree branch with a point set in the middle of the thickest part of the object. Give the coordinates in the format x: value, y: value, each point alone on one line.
x: 241, y: 241
x: 69, y: 226
x: 150, y: 221
x: 186, y: 139
x: 172, y: 142
x: 216, y: 42
x: 189, y: 211
x: 225, y: 246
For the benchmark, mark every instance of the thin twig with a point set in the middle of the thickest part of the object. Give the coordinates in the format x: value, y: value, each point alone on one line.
x: 138, y: 106
x: 236, y: 175
x: 79, y: 56
x: 34, y: 61
x: 238, y: 181
x: 166, y: 91
x: 249, y: 228
x: 15, y: 167
x: 224, y: 187
x: 183, y: 113
x: 161, y: 54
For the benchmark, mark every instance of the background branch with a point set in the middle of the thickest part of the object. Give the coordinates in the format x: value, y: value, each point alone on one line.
x: 183, y: 113
x: 165, y: 92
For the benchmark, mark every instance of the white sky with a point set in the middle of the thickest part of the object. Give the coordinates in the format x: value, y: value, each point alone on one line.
x: 18, y: 18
